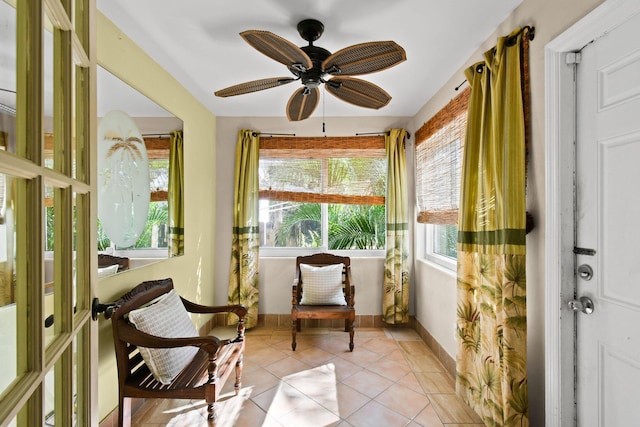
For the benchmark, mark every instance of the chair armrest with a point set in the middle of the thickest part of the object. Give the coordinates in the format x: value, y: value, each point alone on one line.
x: 129, y: 334
x: 295, y: 291
x: 352, y: 299
x: 239, y: 310
x: 349, y: 278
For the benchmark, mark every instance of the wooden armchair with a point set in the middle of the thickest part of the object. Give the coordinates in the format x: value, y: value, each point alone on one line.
x: 106, y: 260
x: 202, y: 378
x: 300, y: 310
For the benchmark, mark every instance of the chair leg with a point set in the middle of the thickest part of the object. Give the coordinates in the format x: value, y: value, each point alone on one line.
x: 294, y: 328
x: 351, y: 332
x: 238, y: 383
x: 211, y: 414
x: 347, y: 325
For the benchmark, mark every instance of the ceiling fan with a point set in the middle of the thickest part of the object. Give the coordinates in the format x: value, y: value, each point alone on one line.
x: 312, y: 64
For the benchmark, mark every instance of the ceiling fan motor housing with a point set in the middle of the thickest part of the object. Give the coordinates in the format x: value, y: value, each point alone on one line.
x: 314, y: 77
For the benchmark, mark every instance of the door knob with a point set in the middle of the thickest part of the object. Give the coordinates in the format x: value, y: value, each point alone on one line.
x: 583, y: 304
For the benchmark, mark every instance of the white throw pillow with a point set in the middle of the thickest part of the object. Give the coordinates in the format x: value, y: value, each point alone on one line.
x: 322, y: 285
x: 107, y: 271
x: 165, y: 318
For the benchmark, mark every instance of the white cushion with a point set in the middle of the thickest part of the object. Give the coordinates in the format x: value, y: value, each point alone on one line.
x: 107, y: 271
x: 322, y: 285
x: 165, y: 318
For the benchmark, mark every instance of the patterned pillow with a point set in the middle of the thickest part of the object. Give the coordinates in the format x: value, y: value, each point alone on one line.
x: 322, y: 285
x: 165, y: 318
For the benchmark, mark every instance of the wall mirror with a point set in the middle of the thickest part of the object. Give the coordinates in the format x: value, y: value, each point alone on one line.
x: 136, y: 139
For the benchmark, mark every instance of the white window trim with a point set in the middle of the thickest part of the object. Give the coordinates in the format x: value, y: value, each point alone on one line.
x: 429, y: 255
x: 271, y: 252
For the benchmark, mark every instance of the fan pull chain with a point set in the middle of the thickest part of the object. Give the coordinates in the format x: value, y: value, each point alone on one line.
x: 324, y: 95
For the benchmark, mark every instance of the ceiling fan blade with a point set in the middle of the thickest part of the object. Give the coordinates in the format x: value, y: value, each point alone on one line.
x: 277, y: 48
x: 253, y: 86
x: 358, y: 92
x: 301, y: 106
x: 364, y: 58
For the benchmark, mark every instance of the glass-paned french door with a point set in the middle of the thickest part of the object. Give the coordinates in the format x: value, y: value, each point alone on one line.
x: 47, y: 110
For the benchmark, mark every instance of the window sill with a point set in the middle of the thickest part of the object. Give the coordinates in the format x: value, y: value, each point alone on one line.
x: 442, y: 263
x: 294, y: 252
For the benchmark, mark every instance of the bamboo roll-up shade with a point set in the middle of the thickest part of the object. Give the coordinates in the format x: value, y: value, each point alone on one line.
x: 340, y: 170
x: 439, y: 150
x: 322, y: 147
x: 300, y: 197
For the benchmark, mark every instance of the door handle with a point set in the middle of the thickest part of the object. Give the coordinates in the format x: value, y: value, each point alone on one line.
x: 583, y: 304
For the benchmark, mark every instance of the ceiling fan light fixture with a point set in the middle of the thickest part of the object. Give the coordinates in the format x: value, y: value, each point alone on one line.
x: 311, y: 64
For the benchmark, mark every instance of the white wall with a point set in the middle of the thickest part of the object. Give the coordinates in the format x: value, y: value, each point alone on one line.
x: 435, y: 292
x: 276, y: 274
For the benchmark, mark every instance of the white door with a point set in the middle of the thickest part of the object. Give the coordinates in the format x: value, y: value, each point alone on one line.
x: 608, y: 221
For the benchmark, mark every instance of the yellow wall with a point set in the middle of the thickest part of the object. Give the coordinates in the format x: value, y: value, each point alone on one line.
x: 192, y: 273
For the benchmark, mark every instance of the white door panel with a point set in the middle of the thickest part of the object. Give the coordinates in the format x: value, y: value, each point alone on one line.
x: 608, y: 208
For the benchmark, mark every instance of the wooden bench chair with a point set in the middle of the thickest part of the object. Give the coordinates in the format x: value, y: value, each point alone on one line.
x: 318, y: 310
x: 202, y: 378
x: 106, y: 260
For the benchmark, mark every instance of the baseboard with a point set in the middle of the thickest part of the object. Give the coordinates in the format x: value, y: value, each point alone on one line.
x: 284, y: 321
x: 447, y: 361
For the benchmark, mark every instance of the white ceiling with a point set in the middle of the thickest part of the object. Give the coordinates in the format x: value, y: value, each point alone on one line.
x: 198, y: 42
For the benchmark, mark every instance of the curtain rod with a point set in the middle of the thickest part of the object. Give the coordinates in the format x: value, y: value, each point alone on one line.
x: 293, y: 134
x: 380, y: 133
x: 272, y: 134
x: 527, y: 31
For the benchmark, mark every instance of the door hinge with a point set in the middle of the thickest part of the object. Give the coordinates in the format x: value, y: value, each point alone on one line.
x: 573, y: 58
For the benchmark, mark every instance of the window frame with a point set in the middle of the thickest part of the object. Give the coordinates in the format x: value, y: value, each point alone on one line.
x: 429, y: 254
x: 338, y: 147
x: 442, y: 119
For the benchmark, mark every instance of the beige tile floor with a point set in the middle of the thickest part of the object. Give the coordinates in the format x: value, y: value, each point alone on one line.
x: 390, y: 379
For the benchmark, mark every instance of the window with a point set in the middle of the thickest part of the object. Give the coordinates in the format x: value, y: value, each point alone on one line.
x: 326, y: 193
x: 439, y: 150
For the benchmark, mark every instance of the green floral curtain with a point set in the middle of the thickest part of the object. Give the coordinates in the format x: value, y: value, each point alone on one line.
x: 395, y: 298
x: 243, y: 276
x: 176, y: 195
x: 492, y: 324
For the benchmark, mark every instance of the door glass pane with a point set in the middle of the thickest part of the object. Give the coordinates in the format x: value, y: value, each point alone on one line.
x: 8, y: 78
x: 74, y: 272
x: 48, y: 94
x: 72, y: 127
x: 49, y: 270
x: 49, y: 398
x: 7, y: 284
x: 77, y: 376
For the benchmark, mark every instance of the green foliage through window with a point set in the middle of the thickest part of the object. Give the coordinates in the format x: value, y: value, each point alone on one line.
x: 445, y: 240
x: 354, y: 227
